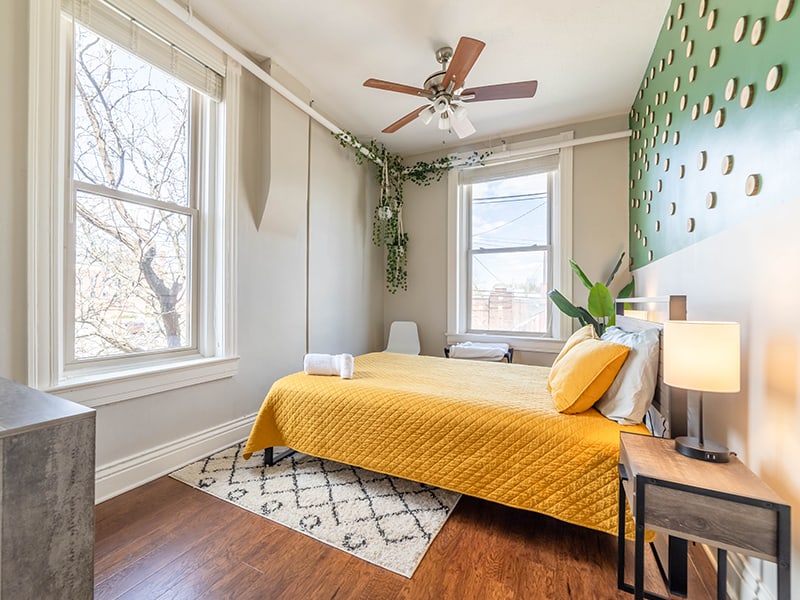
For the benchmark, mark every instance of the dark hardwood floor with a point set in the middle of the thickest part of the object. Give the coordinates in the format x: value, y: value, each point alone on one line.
x: 168, y: 540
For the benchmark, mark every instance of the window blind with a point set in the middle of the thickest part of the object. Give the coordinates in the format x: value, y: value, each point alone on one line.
x: 160, y: 39
x: 506, y: 170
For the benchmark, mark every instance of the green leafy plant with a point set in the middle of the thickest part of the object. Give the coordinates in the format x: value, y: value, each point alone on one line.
x: 387, y: 221
x: 599, y: 311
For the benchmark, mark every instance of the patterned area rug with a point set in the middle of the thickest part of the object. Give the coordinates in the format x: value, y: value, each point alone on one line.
x: 385, y: 520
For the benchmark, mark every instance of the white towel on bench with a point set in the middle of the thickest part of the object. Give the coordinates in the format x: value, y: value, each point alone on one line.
x: 479, y: 350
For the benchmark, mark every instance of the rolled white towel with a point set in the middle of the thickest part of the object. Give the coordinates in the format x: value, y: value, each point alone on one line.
x: 479, y: 350
x: 320, y: 364
x: 329, y: 364
x: 346, y: 365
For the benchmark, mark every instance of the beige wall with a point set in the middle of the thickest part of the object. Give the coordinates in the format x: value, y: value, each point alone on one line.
x: 600, y: 221
x: 13, y: 159
x: 750, y: 274
x: 272, y: 262
x: 345, y: 268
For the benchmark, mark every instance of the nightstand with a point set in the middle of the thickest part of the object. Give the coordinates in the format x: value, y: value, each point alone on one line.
x: 724, y: 505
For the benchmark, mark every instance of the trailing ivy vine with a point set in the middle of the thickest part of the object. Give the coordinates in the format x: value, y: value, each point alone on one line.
x: 391, y: 174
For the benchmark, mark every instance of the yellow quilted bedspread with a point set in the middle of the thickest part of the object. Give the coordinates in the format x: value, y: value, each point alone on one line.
x: 483, y: 429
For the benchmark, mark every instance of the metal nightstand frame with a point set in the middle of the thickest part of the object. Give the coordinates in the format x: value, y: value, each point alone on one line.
x: 783, y: 536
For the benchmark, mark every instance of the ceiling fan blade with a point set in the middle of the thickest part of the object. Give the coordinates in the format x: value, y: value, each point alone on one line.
x: 402, y: 122
x: 467, y: 52
x: 462, y: 126
x: 501, y: 91
x: 390, y: 86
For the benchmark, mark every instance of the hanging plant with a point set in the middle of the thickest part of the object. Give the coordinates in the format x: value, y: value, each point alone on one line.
x: 391, y: 174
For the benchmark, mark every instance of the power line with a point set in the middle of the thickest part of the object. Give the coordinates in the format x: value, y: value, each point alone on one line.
x: 509, y: 222
x: 488, y: 270
x: 511, y: 198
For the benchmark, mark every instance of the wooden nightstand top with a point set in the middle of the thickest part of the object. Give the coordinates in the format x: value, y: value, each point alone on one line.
x: 725, y: 505
x: 657, y: 458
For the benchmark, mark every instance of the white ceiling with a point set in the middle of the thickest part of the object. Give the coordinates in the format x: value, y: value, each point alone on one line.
x: 589, y: 56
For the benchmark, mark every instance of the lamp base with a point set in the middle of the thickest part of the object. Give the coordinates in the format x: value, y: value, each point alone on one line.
x: 708, y: 451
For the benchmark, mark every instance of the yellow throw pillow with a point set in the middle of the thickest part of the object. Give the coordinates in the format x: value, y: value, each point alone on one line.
x: 583, y: 334
x: 584, y: 374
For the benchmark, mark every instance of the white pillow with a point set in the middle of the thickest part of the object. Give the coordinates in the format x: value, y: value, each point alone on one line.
x: 631, y: 393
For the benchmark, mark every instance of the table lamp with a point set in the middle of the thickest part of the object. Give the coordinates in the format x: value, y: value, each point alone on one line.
x: 702, y: 356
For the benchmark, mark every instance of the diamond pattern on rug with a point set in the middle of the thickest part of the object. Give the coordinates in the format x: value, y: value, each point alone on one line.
x: 385, y: 520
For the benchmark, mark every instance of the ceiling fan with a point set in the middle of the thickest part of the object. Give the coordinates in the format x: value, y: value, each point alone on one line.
x: 445, y: 91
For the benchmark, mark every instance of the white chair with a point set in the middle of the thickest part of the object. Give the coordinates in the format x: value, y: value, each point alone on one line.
x: 403, y: 338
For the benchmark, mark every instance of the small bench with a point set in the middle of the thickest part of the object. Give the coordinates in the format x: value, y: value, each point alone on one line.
x: 509, y: 355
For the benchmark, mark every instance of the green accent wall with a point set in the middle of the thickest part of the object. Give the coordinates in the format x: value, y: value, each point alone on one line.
x: 687, y: 122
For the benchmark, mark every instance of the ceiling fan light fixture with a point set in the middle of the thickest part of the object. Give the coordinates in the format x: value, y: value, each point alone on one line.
x: 440, y: 105
x: 444, y: 121
x: 427, y: 115
x: 460, y: 112
x: 462, y: 126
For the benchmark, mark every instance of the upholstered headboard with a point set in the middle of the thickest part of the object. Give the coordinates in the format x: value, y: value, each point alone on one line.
x: 651, y: 312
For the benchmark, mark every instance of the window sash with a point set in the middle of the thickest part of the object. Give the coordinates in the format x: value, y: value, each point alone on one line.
x: 546, y: 250
x: 493, y: 173
x: 200, y: 121
x: 71, y: 362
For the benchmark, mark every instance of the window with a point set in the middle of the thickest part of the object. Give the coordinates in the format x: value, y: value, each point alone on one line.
x: 509, y: 243
x: 133, y: 207
x: 509, y: 253
x: 128, y: 242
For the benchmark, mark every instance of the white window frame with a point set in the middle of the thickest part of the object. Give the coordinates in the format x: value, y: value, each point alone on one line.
x: 458, y: 264
x: 215, y: 356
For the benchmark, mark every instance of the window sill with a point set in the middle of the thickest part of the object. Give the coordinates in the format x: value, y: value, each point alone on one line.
x: 99, y: 390
x: 521, y: 343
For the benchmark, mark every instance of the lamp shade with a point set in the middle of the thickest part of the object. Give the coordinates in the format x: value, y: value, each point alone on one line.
x: 702, y: 355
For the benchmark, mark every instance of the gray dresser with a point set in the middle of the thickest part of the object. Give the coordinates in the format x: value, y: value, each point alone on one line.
x: 46, y: 496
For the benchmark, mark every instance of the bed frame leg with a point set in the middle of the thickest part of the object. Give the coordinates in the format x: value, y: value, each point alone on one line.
x: 270, y: 459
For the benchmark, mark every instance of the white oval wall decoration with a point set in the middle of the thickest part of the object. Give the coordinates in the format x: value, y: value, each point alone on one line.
x: 774, y: 78
x: 727, y: 164
x: 712, y: 20
x: 739, y: 29
x: 782, y: 9
x: 730, y: 89
x: 757, y: 33
x: 746, y: 97
x: 713, y: 58
x: 752, y: 185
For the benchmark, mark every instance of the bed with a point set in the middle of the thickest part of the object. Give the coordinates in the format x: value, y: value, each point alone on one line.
x: 488, y: 430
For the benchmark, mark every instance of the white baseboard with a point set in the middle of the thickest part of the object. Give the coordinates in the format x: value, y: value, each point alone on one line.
x: 743, y: 583
x: 127, y: 473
